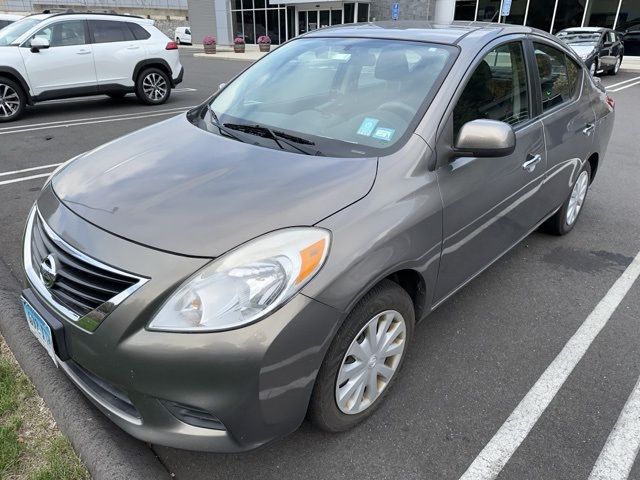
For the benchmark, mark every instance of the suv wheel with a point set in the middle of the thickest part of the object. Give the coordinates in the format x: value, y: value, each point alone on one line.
x: 363, y: 359
x: 153, y: 86
x: 12, y: 100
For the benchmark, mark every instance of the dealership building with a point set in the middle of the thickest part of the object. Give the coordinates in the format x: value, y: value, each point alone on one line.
x: 285, y: 19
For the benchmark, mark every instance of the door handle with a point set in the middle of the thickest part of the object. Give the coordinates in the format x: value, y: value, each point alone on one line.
x: 83, y: 52
x: 133, y: 47
x: 588, y: 129
x: 532, y: 161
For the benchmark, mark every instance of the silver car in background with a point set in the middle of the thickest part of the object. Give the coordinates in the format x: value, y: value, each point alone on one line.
x: 211, y: 280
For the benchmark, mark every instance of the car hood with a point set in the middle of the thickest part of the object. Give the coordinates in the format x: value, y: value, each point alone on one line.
x: 583, y: 50
x: 178, y: 188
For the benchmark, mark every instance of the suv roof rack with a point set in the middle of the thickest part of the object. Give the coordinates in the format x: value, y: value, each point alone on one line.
x: 71, y: 11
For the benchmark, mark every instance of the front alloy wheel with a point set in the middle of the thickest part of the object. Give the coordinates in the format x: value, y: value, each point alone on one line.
x: 12, y: 100
x: 594, y: 67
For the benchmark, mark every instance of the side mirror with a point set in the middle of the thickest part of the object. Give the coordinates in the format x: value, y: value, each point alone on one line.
x: 38, y: 44
x: 485, y: 138
x: 221, y: 86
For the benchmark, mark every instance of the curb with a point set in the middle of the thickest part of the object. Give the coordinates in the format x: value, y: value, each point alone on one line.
x: 215, y: 57
x: 106, y: 451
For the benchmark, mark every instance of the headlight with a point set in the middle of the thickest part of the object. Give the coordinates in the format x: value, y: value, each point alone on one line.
x: 247, y: 283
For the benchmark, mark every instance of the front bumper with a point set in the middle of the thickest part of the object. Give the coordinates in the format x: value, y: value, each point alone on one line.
x: 256, y: 380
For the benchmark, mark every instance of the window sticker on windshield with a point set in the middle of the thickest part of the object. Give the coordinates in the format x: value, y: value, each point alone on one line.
x: 367, y: 126
x: 385, y: 134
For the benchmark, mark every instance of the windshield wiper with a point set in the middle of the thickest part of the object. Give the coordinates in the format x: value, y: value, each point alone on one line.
x: 278, y: 137
x: 216, y: 123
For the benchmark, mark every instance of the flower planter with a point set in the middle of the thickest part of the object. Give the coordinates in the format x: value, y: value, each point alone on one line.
x: 265, y: 47
x: 210, y: 49
x: 239, y: 48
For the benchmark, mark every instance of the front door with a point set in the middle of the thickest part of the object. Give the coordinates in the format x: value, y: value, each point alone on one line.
x: 68, y: 62
x: 489, y: 204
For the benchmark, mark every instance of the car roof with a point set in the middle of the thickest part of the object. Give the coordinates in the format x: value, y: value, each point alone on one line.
x: 9, y: 16
x: 449, y: 33
x: 585, y: 29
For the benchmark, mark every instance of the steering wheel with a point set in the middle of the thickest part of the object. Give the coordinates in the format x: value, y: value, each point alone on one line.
x: 399, y: 108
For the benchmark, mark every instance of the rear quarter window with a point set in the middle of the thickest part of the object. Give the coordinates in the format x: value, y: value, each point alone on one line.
x: 138, y: 32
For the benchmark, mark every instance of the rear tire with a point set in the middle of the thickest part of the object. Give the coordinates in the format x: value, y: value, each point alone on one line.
x: 616, y: 68
x: 566, y: 218
x: 389, y: 309
x: 12, y: 100
x: 153, y: 86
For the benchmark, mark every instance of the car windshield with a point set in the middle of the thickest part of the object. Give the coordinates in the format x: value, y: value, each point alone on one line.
x: 591, y: 38
x: 14, y: 31
x: 345, y: 96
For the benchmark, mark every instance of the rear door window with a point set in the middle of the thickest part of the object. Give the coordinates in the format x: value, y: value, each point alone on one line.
x: 559, y: 76
x: 109, y: 31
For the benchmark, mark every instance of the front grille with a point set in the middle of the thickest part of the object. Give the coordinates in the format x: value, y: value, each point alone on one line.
x: 78, y: 287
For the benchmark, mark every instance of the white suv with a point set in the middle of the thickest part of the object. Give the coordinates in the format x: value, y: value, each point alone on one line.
x: 49, y: 56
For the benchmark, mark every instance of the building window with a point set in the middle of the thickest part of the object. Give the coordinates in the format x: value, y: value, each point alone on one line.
x: 488, y: 10
x: 541, y: 14
x: 363, y: 12
x: 569, y: 14
x: 253, y: 18
x: 465, y: 10
x: 517, y: 14
x: 601, y: 13
x: 628, y: 24
x: 349, y: 11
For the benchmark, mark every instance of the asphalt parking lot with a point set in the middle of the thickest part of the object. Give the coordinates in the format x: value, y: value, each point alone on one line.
x: 479, y: 360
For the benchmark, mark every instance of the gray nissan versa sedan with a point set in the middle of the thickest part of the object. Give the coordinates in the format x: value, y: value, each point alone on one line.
x: 211, y: 280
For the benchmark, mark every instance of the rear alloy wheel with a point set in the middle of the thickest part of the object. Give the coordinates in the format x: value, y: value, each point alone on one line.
x: 364, y: 358
x: 153, y: 87
x: 565, y: 219
x: 12, y: 100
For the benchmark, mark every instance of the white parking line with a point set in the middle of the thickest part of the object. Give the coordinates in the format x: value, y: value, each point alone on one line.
x: 22, y: 179
x: 72, y: 120
x: 622, y: 88
x: 623, y: 82
x: 31, y: 169
x: 620, y: 451
x: 73, y: 123
x: 495, y: 455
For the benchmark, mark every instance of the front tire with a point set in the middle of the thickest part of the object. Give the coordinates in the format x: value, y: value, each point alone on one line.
x: 364, y: 359
x: 566, y: 218
x: 153, y: 86
x: 178, y: 40
x: 12, y: 100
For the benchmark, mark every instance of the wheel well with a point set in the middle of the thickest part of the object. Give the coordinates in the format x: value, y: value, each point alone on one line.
x: 159, y: 64
x: 19, y: 81
x: 593, y: 161
x: 413, y: 283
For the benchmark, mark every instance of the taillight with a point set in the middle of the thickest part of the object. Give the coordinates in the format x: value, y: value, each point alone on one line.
x: 611, y: 102
x: 171, y: 46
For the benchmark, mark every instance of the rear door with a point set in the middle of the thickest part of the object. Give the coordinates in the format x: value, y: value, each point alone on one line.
x: 568, y: 119
x: 116, y: 51
x: 489, y: 204
x: 68, y: 62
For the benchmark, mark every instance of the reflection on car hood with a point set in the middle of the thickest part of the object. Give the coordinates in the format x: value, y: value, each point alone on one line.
x: 179, y: 188
x: 583, y: 50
